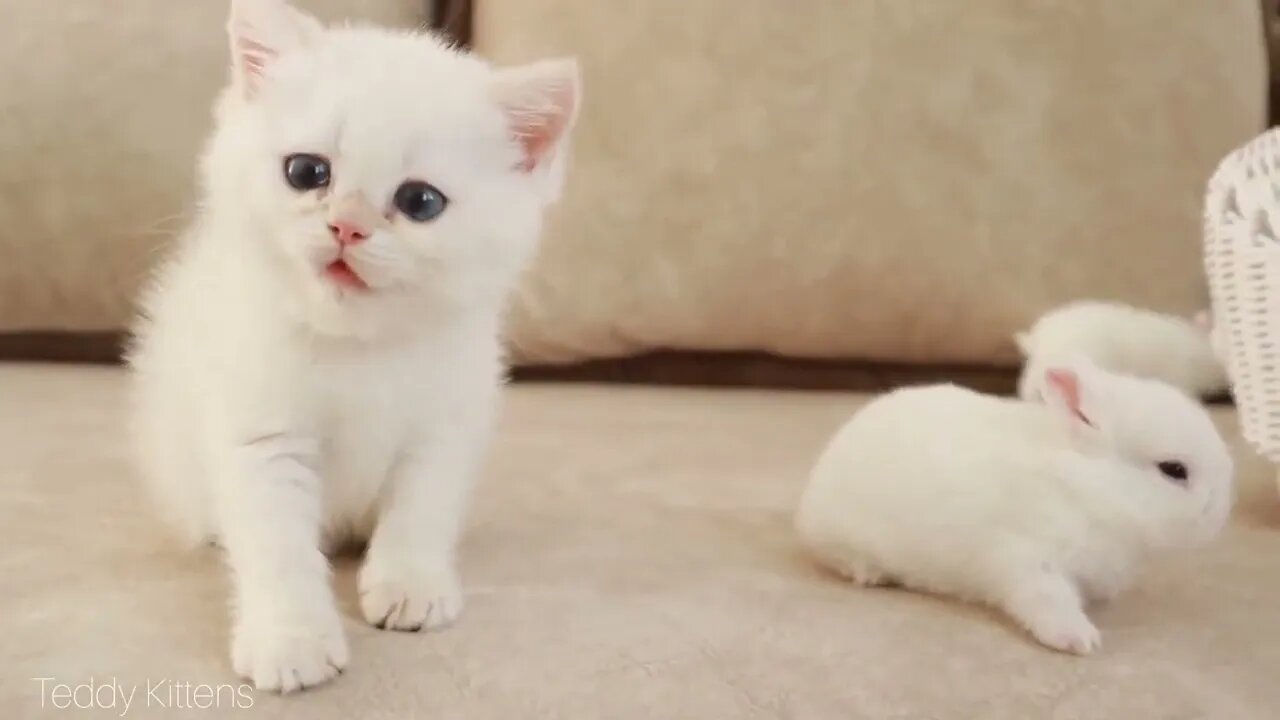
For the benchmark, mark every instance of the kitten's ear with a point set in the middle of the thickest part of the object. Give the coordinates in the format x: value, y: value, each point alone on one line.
x: 259, y: 31
x: 541, y: 102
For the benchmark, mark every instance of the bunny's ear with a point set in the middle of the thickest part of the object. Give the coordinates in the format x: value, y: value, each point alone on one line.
x: 1023, y: 341
x: 259, y: 31
x: 1203, y: 320
x: 1066, y: 389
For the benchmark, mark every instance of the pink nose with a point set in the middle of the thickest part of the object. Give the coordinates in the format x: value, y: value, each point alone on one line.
x: 347, y: 232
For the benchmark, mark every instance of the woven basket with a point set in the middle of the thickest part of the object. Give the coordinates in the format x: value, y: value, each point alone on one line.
x: 1242, y: 262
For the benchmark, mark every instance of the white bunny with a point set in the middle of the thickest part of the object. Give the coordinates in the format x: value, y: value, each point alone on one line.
x: 1032, y: 508
x: 1123, y: 339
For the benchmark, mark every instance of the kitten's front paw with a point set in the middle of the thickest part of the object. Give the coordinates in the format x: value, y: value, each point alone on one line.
x: 411, y: 599
x: 284, y: 657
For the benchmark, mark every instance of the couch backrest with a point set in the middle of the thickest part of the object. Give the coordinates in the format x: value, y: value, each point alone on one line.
x: 891, y: 180
x: 899, y: 180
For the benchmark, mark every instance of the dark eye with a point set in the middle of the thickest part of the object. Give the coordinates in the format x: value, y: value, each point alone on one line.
x: 1173, y: 470
x: 306, y: 172
x: 420, y: 201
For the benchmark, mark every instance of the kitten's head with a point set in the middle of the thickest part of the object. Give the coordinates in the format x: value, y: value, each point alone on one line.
x: 382, y: 172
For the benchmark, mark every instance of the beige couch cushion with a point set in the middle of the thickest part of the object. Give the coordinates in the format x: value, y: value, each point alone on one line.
x: 888, y: 179
x: 622, y: 562
x: 104, y: 107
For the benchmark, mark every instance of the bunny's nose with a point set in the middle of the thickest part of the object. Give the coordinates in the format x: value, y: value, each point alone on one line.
x: 347, y: 232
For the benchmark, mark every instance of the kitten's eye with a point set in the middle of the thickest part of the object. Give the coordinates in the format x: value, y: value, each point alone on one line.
x: 306, y: 172
x: 420, y: 201
x: 1173, y: 470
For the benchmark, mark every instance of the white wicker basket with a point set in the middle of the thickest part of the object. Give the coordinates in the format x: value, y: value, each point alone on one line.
x: 1242, y: 262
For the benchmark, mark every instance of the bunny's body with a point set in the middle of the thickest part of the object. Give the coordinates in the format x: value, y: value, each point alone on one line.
x: 1017, y: 505
x: 1123, y: 339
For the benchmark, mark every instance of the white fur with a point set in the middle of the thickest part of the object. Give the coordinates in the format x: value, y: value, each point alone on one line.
x: 1123, y: 339
x: 1218, y: 339
x: 279, y: 413
x: 1014, y: 504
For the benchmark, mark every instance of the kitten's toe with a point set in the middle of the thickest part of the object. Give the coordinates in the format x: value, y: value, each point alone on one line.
x: 409, y: 599
x: 863, y: 572
x: 285, y: 657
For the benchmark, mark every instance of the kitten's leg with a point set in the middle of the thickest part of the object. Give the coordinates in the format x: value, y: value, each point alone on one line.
x: 1049, y: 606
x: 287, y: 634
x: 409, y: 580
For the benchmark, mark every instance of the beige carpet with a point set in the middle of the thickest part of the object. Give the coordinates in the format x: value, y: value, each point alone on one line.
x: 629, y: 557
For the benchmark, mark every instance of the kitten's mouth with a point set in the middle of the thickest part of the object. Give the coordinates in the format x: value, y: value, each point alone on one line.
x: 341, y: 273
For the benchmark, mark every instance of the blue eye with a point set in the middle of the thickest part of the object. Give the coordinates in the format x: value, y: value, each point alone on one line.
x: 420, y: 201
x: 306, y: 172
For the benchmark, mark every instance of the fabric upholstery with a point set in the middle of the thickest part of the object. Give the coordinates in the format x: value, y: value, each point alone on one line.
x: 905, y: 180
x: 630, y: 556
x: 842, y: 182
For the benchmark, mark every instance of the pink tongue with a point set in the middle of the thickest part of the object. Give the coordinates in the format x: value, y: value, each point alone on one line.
x: 341, y: 273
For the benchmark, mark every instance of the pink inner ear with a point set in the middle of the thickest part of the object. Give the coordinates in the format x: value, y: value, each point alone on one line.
x: 539, y: 129
x: 537, y: 140
x: 1066, y: 384
x: 251, y: 55
x: 254, y: 56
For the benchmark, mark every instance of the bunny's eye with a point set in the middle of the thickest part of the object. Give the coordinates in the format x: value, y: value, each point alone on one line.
x: 1173, y: 470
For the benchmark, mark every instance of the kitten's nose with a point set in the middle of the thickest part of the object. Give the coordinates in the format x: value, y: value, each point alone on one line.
x: 347, y: 232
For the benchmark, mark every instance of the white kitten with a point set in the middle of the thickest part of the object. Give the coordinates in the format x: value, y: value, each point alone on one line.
x: 320, y: 357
